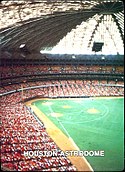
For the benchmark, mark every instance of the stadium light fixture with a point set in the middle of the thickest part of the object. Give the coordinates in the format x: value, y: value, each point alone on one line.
x: 22, y: 45
x: 24, y: 49
x: 103, y: 58
x: 73, y: 57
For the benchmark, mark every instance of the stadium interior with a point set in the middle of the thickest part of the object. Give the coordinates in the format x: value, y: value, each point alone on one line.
x: 54, y: 49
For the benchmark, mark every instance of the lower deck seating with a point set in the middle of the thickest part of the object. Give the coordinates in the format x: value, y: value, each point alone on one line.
x: 21, y: 132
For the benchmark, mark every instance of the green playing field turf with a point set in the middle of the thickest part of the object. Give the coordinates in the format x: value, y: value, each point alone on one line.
x: 93, y: 124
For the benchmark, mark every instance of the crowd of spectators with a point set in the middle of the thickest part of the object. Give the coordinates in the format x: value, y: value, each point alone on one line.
x: 15, y: 71
x: 63, y: 88
x: 21, y: 131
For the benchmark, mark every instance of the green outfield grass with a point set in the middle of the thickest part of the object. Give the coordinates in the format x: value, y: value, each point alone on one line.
x: 93, y: 124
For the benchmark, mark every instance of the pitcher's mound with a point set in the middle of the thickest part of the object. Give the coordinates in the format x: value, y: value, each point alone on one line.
x: 66, y: 106
x: 93, y: 111
x: 56, y: 114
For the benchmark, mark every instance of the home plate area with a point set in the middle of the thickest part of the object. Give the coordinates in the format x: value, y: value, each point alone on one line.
x: 93, y: 111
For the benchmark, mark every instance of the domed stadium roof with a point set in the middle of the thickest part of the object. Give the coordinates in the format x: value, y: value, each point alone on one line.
x: 62, y: 26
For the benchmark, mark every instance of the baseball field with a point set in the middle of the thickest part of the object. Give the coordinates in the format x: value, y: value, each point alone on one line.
x: 94, y: 124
